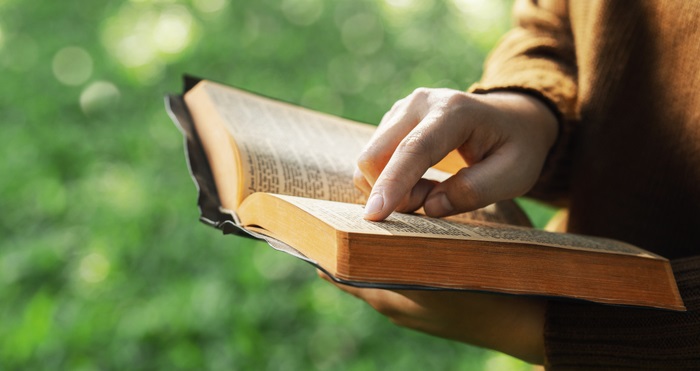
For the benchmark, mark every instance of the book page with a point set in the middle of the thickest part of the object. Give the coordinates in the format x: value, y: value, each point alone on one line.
x: 291, y: 150
x: 348, y: 217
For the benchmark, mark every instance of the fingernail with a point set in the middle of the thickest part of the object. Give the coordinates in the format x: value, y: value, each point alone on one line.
x: 438, y: 204
x: 374, y: 204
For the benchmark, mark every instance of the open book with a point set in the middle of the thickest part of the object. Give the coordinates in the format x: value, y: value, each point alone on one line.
x: 283, y: 173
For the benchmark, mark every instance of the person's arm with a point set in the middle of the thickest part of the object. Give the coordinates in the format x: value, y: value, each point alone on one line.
x: 537, y: 59
x: 504, y: 134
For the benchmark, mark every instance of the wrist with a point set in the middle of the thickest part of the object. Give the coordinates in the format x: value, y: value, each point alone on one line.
x: 532, y: 111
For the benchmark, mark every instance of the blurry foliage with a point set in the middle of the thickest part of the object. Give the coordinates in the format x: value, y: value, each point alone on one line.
x: 102, y: 262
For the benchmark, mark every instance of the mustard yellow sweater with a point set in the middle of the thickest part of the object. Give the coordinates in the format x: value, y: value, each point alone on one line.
x: 624, y: 78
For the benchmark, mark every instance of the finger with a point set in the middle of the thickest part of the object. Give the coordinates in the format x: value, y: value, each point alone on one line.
x: 403, y: 116
x: 425, y: 145
x: 501, y: 175
x: 361, y: 182
x: 417, y: 196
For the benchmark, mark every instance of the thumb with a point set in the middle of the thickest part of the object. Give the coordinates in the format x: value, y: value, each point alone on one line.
x: 497, y: 177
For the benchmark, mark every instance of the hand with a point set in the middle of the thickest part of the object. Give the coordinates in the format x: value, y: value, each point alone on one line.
x: 504, y: 138
x: 509, y: 324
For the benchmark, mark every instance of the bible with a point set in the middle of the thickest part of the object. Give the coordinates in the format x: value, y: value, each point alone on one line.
x: 284, y: 174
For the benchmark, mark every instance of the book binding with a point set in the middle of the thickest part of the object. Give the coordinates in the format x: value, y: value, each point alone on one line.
x: 210, y: 211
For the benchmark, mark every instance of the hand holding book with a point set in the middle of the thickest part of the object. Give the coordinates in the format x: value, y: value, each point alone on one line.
x: 510, y: 324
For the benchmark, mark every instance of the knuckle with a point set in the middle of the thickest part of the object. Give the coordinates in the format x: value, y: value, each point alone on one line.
x: 467, y: 194
x: 415, y: 143
x: 397, y: 105
x: 392, y: 180
x: 359, y: 181
x: 366, y: 162
x: 463, y: 108
x: 470, y: 154
x: 419, y: 91
x: 457, y: 99
x: 419, y: 94
x: 358, y: 177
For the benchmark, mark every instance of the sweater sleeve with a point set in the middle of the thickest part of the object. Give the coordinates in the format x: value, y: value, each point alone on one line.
x: 537, y: 57
x: 589, y: 336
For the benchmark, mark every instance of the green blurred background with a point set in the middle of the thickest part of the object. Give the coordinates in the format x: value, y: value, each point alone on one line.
x: 103, y: 264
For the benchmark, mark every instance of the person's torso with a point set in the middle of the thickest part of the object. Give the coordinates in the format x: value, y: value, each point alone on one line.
x: 637, y: 154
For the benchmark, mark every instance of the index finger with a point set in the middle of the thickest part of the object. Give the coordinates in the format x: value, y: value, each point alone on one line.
x: 404, y: 115
x: 423, y: 147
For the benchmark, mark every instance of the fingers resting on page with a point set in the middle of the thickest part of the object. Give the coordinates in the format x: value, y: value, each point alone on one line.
x: 504, y: 138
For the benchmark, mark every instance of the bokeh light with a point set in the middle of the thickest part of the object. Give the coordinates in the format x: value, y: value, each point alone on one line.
x: 404, y: 13
x: 94, y: 268
x: 172, y: 32
x: 120, y: 189
x: 401, y: 4
x: 362, y: 33
x: 103, y: 263
x: 98, y: 96
x: 72, y: 65
x: 323, y: 96
x: 480, y: 15
x: 345, y: 74
x: 143, y: 38
x: 209, y: 6
x: 302, y: 12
